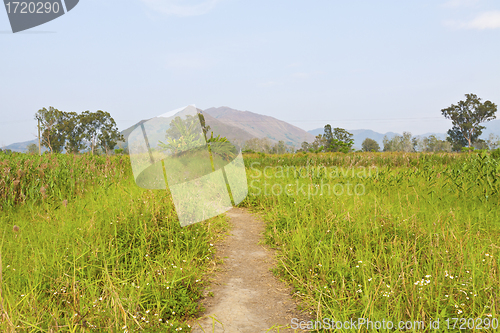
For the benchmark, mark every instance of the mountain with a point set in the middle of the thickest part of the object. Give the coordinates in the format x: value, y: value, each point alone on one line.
x: 218, y: 127
x: 240, y: 126
x: 232, y: 133
x: 491, y: 127
x: 22, y: 146
x: 261, y: 126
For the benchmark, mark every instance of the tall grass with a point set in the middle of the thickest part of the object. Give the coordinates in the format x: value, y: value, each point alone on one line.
x: 32, y: 178
x: 95, y: 252
x: 420, y: 242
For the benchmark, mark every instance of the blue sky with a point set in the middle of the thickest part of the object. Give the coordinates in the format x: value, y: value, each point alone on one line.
x: 380, y: 65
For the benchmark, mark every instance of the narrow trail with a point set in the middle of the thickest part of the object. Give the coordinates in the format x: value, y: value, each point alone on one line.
x: 247, y: 297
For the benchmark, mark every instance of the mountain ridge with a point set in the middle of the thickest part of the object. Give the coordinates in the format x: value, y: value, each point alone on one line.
x: 261, y: 126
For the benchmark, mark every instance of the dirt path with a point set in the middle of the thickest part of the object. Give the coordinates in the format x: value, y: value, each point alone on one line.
x: 246, y: 295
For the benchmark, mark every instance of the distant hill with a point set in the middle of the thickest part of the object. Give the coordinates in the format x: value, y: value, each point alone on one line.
x: 240, y: 126
x: 234, y: 134
x: 22, y: 146
x: 261, y: 126
x: 491, y: 127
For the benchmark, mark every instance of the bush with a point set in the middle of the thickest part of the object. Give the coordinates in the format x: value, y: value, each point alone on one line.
x: 495, y: 153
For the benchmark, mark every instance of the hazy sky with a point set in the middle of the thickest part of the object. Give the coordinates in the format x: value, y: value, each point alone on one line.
x: 381, y: 65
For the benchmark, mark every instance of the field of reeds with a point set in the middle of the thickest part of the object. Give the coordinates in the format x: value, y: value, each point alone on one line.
x: 394, y: 237
x: 405, y: 238
x: 84, y: 249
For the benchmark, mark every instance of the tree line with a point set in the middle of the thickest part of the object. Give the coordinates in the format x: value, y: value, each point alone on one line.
x: 87, y: 131
x: 333, y: 140
x: 265, y: 145
x: 466, y: 116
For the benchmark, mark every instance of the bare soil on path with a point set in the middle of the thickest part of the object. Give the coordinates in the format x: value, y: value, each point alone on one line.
x: 244, y: 295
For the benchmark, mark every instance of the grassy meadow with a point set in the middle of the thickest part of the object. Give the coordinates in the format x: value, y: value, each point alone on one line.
x: 381, y: 236
x: 91, y: 251
x: 385, y: 236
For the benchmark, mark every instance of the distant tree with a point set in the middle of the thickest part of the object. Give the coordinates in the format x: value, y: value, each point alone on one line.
x: 304, y: 146
x: 328, y: 134
x: 251, y: 145
x: 399, y: 143
x: 279, y: 148
x: 389, y: 144
x: 480, y: 144
x: 493, y: 141
x: 432, y: 144
x: 337, y: 140
x: 99, y: 130
x: 32, y: 149
x: 73, y: 131
x: 318, y: 144
x: 370, y: 145
x: 53, y: 136
x: 466, y: 118
x: 90, y: 128
x: 263, y: 145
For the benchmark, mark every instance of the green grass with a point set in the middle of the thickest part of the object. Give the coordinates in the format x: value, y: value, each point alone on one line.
x: 381, y: 236
x: 108, y: 257
x: 420, y: 242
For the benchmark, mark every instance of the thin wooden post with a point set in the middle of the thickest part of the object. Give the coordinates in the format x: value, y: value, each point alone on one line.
x: 39, y: 146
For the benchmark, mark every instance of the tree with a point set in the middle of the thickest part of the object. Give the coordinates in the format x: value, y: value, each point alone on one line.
x: 32, y: 149
x: 318, y: 144
x: 52, y: 136
x: 221, y: 147
x: 328, y: 134
x: 99, y: 130
x: 183, y: 136
x: 389, y: 144
x: 370, y: 145
x: 432, y: 144
x: 280, y: 147
x: 263, y: 145
x: 304, y: 146
x: 493, y: 141
x: 466, y: 118
x: 73, y: 131
x: 400, y: 143
x: 338, y: 140
x: 480, y: 144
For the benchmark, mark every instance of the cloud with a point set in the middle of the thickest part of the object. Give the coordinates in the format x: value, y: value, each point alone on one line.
x: 182, y: 8
x: 486, y: 20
